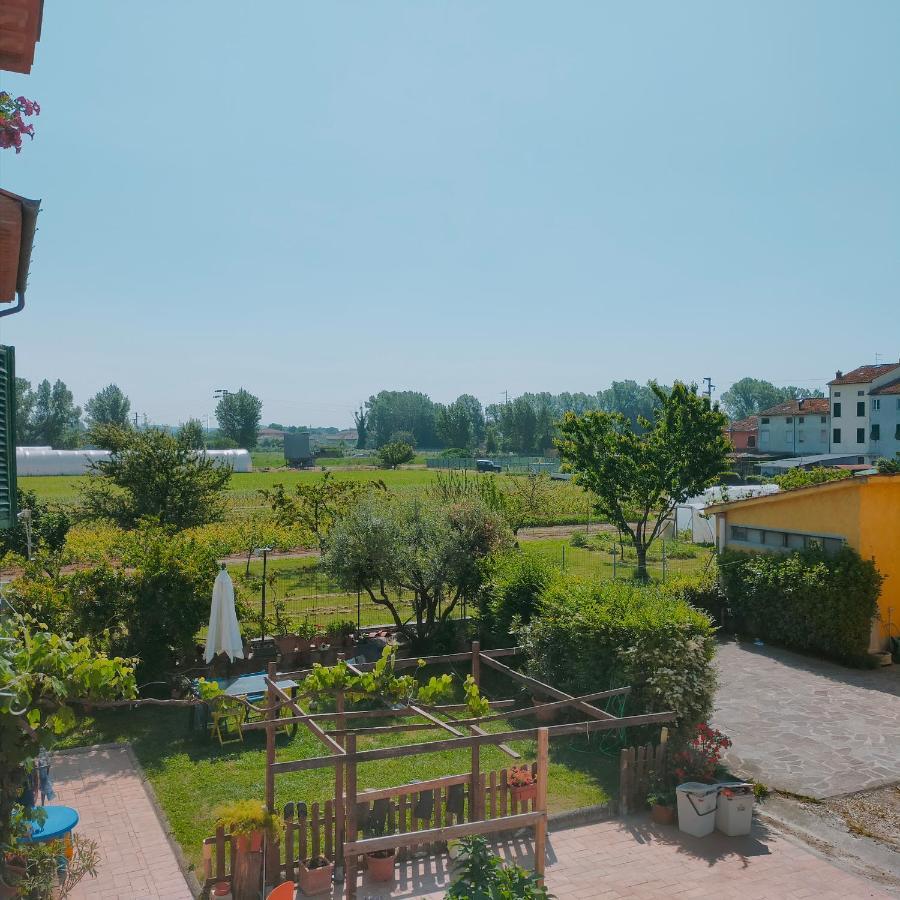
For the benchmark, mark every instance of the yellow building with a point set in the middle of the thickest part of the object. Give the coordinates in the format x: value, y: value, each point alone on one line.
x: 862, y: 512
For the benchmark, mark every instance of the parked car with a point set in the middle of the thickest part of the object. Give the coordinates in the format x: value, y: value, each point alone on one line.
x: 487, y: 465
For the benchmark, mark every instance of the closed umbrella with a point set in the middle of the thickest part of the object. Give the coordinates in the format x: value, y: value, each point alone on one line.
x: 224, y: 635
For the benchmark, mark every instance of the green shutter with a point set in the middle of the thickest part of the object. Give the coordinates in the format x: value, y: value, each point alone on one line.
x: 7, y: 437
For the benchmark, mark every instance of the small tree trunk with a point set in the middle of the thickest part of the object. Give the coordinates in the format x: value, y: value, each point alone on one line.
x: 640, y: 572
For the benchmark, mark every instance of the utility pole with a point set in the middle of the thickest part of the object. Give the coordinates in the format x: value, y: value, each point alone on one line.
x: 710, y: 387
x: 135, y: 421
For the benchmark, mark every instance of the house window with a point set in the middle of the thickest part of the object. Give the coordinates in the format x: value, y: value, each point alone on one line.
x: 738, y: 533
x: 897, y: 432
x: 861, y: 408
x: 789, y: 438
x: 796, y: 541
x: 802, y: 419
x: 876, y: 404
x: 800, y: 436
x: 823, y: 419
x: 860, y: 435
x: 837, y: 410
x: 764, y: 437
x: 765, y: 419
x: 789, y: 420
x: 751, y: 441
x: 837, y: 393
x: 876, y: 433
x: 898, y: 404
x: 823, y: 435
x: 836, y: 436
x: 860, y: 393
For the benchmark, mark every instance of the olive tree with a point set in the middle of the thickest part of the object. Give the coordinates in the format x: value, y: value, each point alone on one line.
x: 425, y: 553
x: 638, y: 478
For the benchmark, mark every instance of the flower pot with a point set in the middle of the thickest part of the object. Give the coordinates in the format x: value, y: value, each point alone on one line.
x: 250, y: 843
x: 523, y: 793
x: 8, y: 884
x: 544, y: 716
x: 317, y: 879
x: 381, y: 868
x: 662, y: 815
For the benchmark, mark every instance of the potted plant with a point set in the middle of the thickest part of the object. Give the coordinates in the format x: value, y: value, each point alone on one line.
x: 340, y: 634
x: 662, y: 805
x: 249, y: 822
x: 316, y: 875
x: 380, y: 864
x: 522, y: 784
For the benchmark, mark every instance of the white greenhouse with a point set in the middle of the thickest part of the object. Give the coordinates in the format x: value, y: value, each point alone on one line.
x: 46, y: 461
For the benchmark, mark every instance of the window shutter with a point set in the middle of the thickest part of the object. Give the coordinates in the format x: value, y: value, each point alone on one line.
x: 7, y: 437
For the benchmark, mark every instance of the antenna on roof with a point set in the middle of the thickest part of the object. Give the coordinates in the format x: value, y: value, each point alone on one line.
x: 878, y: 358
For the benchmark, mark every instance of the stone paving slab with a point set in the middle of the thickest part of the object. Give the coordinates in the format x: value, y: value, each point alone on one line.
x: 136, y: 859
x: 807, y: 726
x: 636, y: 859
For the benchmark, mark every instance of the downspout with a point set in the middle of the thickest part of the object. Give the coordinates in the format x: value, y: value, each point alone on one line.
x: 20, y: 305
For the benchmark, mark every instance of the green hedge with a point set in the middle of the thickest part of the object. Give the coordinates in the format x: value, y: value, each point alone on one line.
x: 808, y: 600
x: 512, y: 590
x: 592, y: 636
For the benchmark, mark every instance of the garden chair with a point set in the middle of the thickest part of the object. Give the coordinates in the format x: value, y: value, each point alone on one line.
x: 285, y: 891
x: 227, y: 714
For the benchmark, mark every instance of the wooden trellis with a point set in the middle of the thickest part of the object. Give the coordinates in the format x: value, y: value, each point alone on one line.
x: 333, y: 829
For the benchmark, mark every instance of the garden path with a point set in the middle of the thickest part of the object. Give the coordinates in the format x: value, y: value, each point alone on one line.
x: 136, y: 859
x: 807, y: 726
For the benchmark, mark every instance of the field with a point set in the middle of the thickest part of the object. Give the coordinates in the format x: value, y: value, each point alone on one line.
x: 192, y: 775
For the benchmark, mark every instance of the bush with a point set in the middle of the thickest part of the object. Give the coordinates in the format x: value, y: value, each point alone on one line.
x: 579, y: 539
x: 730, y: 478
x: 395, y: 454
x: 795, y: 478
x: 809, y: 600
x: 515, y: 584
x: 593, y: 635
x: 703, y: 592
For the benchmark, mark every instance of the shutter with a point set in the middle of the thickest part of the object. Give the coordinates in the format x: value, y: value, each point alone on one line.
x: 7, y: 437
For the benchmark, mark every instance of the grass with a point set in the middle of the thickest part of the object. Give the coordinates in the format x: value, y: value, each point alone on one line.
x: 192, y: 775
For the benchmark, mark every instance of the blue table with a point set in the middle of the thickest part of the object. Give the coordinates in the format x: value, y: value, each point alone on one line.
x: 253, y: 687
x: 59, y: 822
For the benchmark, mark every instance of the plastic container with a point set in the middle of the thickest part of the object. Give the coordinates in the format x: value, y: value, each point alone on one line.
x: 734, y: 812
x: 697, y: 807
x: 222, y: 891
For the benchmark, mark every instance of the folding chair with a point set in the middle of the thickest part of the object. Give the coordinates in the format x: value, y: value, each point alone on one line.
x: 227, y: 713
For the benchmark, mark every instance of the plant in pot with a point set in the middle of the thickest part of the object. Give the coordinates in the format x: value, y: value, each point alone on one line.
x: 701, y: 757
x: 662, y: 802
x: 340, y: 634
x: 522, y: 784
x: 315, y: 875
x: 380, y: 864
x: 249, y: 822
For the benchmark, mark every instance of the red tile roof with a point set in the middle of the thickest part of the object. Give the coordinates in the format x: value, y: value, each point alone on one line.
x: 892, y: 387
x: 811, y: 405
x: 751, y: 423
x: 864, y: 374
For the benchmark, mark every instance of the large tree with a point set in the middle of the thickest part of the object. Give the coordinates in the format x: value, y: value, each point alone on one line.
x: 239, y: 415
x: 24, y: 407
x: 190, y: 434
x: 55, y: 419
x: 398, y: 549
x: 750, y: 396
x: 393, y: 411
x: 108, y: 406
x: 638, y: 478
x: 455, y: 427
x: 361, y: 420
x: 152, y: 475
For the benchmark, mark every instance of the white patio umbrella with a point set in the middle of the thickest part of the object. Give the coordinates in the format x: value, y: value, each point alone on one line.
x: 224, y: 634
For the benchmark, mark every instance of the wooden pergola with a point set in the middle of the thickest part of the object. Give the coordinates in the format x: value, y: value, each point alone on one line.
x: 340, y: 740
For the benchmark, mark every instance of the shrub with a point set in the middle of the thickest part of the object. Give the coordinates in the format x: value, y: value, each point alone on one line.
x: 809, y: 600
x: 481, y: 874
x: 395, y: 454
x: 593, y: 635
x: 579, y: 539
x: 515, y: 584
x: 703, y: 591
x: 795, y: 478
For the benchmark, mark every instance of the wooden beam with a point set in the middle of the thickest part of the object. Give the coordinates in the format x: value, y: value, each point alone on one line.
x: 447, y: 833
x: 512, y: 754
x: 270, y: 739
x: 540, y: 804
x: 466, y: 656
x: 412, y: 787
x: 350, y: 856
x: 542, y: 688
x: 336, y: 733
x: 530, y: 710
x: 436, y: 721
x: 525, y: 734
x: 332, y: 744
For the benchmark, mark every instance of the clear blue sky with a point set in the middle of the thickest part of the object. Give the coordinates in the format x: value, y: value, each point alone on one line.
x: 320, y: 200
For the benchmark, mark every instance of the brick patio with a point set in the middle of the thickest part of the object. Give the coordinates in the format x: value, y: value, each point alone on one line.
x: 136, y: 859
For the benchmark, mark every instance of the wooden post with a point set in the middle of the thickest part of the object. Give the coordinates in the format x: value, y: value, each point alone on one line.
x: 350, y: 858
x: 339, y: 792
x: 540, y: 830
x: 270, y: 853
x: 476, y: 662
x: 475, y: 785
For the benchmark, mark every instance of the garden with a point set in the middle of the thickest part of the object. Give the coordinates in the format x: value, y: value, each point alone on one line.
x: 128, y: 571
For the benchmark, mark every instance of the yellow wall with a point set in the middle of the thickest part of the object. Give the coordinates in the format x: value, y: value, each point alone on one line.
x: 880, y: 539
x: 864, y: 511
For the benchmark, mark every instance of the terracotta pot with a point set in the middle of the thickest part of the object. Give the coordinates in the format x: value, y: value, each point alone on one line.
x: 524, y: 792
x: 13, y: 875
x: 662, y: 815
x: 381, y: 868
x: 315, y: 881
x: 250, y: 843
x: 545, y: 716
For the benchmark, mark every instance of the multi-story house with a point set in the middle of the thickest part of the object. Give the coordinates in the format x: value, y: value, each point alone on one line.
x: 865, y: 411
x: 744, y: 434
x: 795, y: 428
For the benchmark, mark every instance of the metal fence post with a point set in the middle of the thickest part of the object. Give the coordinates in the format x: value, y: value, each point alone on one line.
x: 564, y: 557
x: 664, y: 560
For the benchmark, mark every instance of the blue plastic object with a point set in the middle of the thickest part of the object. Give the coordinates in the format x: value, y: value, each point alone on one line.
x: 59, y: 821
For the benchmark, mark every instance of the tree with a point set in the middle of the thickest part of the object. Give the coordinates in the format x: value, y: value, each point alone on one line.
x: 454, y: 425
x: 151, y: 474
x: 317, y: 505
x: 48, y: 527
x: 239, y: 415
x: 392, y: 411
x: 55, y: 419
x: 392, y: 548
x: 395, y: 454
x: 361, y: 419
x: 750, y: 396
x: 24, y: 408
x: 108, y: 407
x: 43, y: 673
x: 190, y: 435
x: 639, y: 478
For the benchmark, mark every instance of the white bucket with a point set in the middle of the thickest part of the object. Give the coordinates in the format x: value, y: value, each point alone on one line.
x: 697, y: 807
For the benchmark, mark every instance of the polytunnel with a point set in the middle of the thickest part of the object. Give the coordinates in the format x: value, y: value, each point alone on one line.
x: 47, y: 461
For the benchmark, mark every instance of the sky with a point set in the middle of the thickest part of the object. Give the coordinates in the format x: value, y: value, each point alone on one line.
x: 317, y: 201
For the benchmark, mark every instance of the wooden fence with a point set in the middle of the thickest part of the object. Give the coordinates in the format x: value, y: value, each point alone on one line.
x: 311, y: 832
x: 636, y: 768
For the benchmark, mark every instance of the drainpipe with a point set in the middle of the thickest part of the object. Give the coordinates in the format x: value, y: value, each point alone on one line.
x: 17, y: 308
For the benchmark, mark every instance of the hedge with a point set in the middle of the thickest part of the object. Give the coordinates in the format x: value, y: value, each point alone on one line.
x: 808, y: 600
x: 592, y: 636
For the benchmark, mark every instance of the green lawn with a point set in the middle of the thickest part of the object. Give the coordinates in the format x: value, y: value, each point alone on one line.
x: 192, y: 775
